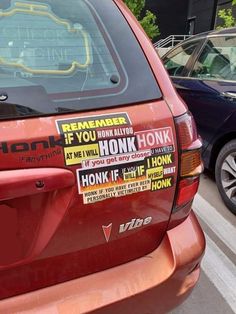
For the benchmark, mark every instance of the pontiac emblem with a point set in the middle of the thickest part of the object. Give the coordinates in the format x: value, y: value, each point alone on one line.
x: 107, y: 231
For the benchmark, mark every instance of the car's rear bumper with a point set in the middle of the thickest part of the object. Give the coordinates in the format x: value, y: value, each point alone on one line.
x: 152, y: 284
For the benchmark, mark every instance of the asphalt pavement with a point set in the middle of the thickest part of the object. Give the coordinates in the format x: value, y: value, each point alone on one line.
x: 216, y: 289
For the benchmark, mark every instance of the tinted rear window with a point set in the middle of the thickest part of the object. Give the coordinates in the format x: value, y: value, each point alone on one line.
x: 58, y: 56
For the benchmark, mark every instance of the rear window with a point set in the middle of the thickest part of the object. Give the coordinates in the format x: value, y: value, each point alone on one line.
x: 58, y: 56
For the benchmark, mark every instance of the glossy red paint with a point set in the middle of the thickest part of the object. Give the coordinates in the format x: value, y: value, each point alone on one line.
x: 53, y: 237
x: 154, y: 283
x: 60, y: 232
x: 19, y: 183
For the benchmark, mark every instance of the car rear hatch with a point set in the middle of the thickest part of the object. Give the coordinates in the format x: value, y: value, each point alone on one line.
x: 88, y: 151
x: 71, y: 209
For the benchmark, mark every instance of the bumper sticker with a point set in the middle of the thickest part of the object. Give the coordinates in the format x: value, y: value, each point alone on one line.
x: 113, y: 160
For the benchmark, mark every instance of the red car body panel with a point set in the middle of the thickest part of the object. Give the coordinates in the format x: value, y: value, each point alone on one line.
x: 59, y: 229
x: 51, y: 232
x: 137, y: 287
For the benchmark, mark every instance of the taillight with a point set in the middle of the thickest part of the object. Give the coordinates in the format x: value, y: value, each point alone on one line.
x: 186, y: 190
x: 190, y: 166
x: 187, y: 131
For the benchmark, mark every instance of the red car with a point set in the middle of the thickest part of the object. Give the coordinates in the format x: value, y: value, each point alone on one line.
x: 99, y: 165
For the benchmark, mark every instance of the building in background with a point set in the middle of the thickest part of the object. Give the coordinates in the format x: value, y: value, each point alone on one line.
x: 186, y: 16
x: 171, y: 15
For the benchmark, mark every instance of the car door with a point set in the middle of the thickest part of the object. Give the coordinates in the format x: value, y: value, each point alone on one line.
x: 179, y: 60
x: 209, y: 87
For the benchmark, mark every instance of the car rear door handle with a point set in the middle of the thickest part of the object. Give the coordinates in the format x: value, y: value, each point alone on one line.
x: 230, y: 95
x: 23, y: 182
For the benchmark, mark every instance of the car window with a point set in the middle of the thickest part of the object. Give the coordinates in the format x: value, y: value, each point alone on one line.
x: 58, y: 56
x: 217, y: 59
x: 177, y: 59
